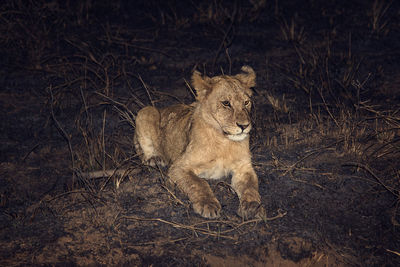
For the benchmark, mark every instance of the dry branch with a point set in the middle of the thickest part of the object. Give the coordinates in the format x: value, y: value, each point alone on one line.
x: 63, y: 133
x: 109, y: 173
x: 206, y: 231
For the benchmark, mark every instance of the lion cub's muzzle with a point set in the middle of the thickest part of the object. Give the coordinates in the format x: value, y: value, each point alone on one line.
x: 239, y: 132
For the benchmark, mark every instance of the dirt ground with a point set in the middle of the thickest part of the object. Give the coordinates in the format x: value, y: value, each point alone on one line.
x: 325, y: 142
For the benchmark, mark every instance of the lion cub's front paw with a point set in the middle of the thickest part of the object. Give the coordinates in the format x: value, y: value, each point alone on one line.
x: 208, y: 207
x: 251, y: 209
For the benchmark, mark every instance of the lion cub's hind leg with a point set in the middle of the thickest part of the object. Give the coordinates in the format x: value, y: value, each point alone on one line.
x: 147, y: 136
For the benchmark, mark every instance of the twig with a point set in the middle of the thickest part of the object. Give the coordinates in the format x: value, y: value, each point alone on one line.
x: 225, y: 35
x: 327, y: 108
x: 103, y: 143
x: 109, y: 173
x: 120, y: 172
x: 82, y: 192
x: 229, y: 59
x: 173, y: 195
x: 169, y: 95
x: 168, y: 190
x: 118, y: 103
x: 392, y: 251
x: 190, y: 88
x: 194, y: 227
x: 291, y: 167
x: 182, y: 226
x: 136, y: 99
x: 29, y: 152
x: 63, y: 134
x: 305, y: 182
x: 147, y: 90
x: 83, y: 98
x: 365, y: 167
x: 158, y: 242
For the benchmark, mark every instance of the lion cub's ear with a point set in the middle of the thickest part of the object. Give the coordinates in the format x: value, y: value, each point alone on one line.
x: 247, y: 77
x: 202, y: 85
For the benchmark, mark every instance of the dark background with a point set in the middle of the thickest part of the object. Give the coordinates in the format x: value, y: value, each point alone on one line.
x: 325, y: 142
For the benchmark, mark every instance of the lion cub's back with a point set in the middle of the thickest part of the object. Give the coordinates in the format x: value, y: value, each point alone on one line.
x: 175, y: 126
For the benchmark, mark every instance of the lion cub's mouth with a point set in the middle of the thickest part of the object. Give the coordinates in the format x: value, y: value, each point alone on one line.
x: 237, y: 137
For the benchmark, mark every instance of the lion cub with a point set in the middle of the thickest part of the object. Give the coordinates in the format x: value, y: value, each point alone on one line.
x: 208, y: 139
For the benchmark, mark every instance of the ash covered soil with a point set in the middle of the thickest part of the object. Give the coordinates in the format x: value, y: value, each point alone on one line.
x: 325, y: 142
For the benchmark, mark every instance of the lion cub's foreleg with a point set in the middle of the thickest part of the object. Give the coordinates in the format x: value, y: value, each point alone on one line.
x: 198, y: 191
x: 147, y: 136
x: 245, y: 183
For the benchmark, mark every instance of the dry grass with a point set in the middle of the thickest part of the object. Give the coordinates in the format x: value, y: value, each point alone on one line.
x: 206, y: 227
x: 343, y: 117
x: 89, y: 82
x: 379, y: 18
x: 292, y: 32
x: 94, y: 91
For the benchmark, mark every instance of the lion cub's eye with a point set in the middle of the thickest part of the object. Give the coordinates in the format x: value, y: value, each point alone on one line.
x: 226, y: 103
x: 247, y: 102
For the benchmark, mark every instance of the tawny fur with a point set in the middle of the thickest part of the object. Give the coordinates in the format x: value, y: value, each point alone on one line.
x: 208, y: 139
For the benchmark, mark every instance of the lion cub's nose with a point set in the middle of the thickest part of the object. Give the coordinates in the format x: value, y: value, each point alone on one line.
x: 242, y: 126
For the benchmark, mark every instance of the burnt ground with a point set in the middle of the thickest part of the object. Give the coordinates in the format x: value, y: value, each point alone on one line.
x: 326, y: 138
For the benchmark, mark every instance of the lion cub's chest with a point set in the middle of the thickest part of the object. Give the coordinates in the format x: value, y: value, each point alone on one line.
x: 219, y: 166
x: 213, y: 156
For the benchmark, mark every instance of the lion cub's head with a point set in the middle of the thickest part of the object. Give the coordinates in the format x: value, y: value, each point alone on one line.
x: 225, y: 101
